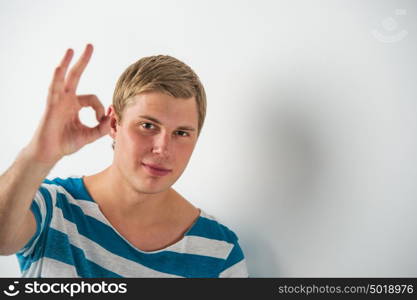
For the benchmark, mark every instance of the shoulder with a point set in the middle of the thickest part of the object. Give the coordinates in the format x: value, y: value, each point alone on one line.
x: 210, y: 227
x: 221, y: 242
x: 68, y: 186
x: 68, y: 183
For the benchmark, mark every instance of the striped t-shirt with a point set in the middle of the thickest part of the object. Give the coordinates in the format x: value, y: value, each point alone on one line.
x: 74, y: 239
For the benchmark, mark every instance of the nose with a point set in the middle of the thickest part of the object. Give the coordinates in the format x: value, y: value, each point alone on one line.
x: 162, y: 144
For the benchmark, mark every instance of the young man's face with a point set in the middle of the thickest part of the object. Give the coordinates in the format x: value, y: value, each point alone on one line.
x: 156, y: 130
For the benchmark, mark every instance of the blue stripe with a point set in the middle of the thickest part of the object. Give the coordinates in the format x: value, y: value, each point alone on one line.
x: 60, y: 249
x: 74, y: 186
x: 182, y: 264
x: 235, y: 256
x: 38, y: 216
x: 26, y: 261
x: 212, y: 229
x: 48, y: 204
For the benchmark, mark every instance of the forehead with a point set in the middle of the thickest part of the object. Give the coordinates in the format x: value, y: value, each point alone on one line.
x: 163, y: 107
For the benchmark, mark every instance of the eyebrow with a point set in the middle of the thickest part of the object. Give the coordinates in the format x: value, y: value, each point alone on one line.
x: 160, y: 123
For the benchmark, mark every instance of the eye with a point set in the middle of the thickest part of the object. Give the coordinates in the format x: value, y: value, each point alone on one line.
x: 183, y: 133
x: 147, y: 125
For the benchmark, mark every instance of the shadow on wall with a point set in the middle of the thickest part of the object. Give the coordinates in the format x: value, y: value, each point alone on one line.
x: 283, y: 159
x: 261, y: 257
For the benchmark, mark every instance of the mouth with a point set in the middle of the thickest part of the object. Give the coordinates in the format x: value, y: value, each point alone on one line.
x: 156, y: 170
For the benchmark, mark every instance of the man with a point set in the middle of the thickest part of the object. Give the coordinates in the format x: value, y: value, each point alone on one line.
x: 127, y: 220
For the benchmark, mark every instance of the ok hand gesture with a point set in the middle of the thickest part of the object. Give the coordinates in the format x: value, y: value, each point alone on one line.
x: 60, y: 131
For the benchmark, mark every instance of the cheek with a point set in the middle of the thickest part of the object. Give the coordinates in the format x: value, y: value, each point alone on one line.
x: 136, y: 143
x: 184, y: 152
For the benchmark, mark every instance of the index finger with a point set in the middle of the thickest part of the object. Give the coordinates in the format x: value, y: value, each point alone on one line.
x: 59, y: 74
x: 76, y: 71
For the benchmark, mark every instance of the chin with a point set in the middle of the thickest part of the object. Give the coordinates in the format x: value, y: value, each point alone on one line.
x: 150, y: 190
x: 150, y: 187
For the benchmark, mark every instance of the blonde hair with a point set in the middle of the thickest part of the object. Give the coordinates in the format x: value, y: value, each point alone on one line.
x: 159, y: 73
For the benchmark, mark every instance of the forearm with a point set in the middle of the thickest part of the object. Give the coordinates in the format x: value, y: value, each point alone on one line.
x: 18, y: 186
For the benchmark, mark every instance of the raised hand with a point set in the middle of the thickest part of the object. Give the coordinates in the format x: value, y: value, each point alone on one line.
x: 60, y: 131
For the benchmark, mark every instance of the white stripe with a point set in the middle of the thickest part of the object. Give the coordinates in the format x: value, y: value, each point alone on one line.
x: 99, y: 255
x: 55, y: 268
x: 237, y: 270
x: 41, y: 204
x: 49, y: 267
x: 88, y: 207
x: 34, y: 270
x: 202, y: 246
x: 207, y: 216
x: 52, y: 191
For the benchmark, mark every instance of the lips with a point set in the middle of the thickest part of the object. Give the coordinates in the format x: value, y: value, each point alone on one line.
x: 156, y: 169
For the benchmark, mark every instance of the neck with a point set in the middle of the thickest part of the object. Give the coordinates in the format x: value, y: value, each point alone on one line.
x: 119, y: 201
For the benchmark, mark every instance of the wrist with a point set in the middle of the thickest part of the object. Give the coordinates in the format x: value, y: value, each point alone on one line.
x: 36, y: 163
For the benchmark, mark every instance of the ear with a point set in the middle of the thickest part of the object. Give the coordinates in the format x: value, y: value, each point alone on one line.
x: 114, y: 121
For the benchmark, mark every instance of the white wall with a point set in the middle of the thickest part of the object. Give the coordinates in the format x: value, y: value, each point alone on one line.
x: 309, y: 146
